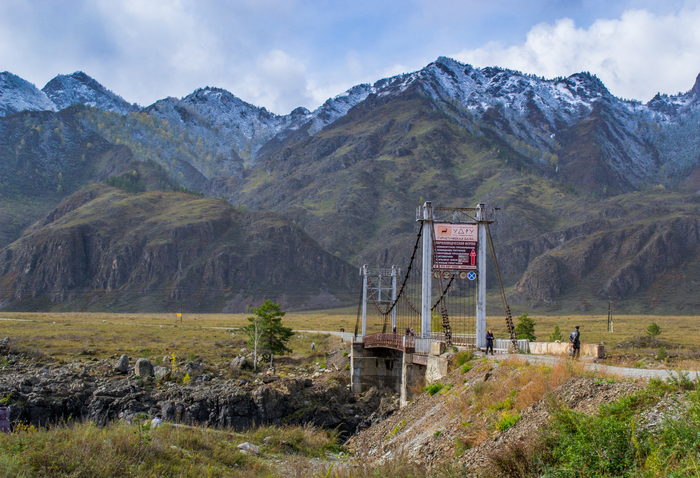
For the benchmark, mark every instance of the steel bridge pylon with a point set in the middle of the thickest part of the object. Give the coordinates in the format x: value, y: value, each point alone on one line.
x: 444, y: 283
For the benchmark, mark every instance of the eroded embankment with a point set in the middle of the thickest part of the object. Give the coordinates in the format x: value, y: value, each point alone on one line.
x: 478, y: 412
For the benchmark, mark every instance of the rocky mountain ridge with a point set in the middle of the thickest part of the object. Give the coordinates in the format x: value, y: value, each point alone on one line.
x: 79, y: 88
x: 554, y: 156
x: 103, y: 248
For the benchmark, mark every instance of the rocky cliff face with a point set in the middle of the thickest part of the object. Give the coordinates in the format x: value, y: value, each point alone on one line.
x: 103, y: 248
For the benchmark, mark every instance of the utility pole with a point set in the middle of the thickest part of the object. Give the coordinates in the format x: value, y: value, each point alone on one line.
x: 610, y: 316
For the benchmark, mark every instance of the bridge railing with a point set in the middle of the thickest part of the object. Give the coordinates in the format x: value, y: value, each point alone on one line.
x: 504, y: 345
x: 395, y: 341
x: 467, y: 340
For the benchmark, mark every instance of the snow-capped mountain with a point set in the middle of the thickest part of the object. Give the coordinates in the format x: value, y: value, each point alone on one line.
x: 79, y: 88
x: 537, y: 115
x: 241, y: 128
x: 639, y: 142
x: 18, y: 95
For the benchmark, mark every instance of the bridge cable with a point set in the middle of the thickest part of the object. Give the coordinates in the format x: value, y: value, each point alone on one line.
x: 506, y: 307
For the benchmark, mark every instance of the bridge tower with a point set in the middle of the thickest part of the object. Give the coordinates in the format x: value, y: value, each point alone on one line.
x: 462, y: 249
x: 378, y: 286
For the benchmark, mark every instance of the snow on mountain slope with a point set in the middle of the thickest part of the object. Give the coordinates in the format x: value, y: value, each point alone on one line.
x: 66, y: 90
x: 18, y: 95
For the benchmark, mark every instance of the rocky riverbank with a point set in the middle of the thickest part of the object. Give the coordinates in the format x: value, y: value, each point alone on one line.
x: 43, y: 394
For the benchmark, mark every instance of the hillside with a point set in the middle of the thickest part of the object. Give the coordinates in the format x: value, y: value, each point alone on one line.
x: 103, y: 248
x: 595, y: 197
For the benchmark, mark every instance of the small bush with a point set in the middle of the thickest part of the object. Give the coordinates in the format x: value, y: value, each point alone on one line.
x: 507, y: 420
x: 464, y: 357
x: 662, y: 355
x: 467, y: 367
x: 347, y: 367
x: 434, y: 388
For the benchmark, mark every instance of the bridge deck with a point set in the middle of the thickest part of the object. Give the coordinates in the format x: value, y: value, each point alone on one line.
x: 404, y: 343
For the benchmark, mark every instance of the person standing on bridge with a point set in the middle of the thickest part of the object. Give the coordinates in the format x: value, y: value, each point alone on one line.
x: 575, y: 339
x: 489, y: 342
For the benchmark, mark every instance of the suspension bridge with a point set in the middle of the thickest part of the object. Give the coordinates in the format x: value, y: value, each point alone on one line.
x: 410, y: 314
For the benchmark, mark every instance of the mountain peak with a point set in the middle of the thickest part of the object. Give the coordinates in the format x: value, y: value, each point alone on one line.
x: 17, y: 94
x: 695, y: 90
x: 78, y: 87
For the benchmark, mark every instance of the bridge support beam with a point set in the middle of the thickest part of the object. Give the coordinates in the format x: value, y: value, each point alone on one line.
x: 363, y: 272
x: 412, y: 378
x: 481, y: 278
x: 427, y: 281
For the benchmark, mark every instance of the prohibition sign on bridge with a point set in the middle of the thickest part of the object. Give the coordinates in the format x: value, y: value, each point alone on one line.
x: 455, y: 247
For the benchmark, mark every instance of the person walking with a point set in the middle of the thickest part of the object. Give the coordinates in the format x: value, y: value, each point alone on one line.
x: 489, y: 342
x: 575, y: 339
x: 313, y: 346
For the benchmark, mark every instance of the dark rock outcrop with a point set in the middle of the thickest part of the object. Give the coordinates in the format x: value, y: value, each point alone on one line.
x: 50, y: 395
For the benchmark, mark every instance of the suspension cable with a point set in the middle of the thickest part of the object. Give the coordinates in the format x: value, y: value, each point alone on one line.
x: 506, y: 308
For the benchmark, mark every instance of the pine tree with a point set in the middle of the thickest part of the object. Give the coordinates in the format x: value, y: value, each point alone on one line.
x: 266, y: 330
x: 525, y: 328
x: 556, y: 335
x: 653, y: 330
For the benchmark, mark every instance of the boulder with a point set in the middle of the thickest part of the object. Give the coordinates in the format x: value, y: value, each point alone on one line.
x: 122, y: 364
x: 143, y: 368
x: 249, y: 448
x: 193, y: 369
x: 161, y: 372
x: 239, y: 362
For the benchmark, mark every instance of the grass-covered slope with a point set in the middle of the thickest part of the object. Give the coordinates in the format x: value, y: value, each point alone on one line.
x: 106, y: 249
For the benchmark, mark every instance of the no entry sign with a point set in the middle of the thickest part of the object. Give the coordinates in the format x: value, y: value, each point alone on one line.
x: 455, y: 247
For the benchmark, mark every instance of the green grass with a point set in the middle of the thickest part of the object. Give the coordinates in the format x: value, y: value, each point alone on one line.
x: 434, y: 388
x: 84, y: 450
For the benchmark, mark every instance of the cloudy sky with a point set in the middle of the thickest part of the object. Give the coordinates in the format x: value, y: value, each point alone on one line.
x: 287, y: 53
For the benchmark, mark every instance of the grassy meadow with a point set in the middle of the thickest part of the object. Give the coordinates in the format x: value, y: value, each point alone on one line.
x: 216, y: 338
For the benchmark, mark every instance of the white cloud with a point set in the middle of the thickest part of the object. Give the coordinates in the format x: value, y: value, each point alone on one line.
x: 636, y: 56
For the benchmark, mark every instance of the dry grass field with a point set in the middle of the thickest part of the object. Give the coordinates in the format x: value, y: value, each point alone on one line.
x: 214, y: 337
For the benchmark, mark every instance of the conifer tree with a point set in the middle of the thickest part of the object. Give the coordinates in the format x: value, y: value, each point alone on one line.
x: 266, y: 330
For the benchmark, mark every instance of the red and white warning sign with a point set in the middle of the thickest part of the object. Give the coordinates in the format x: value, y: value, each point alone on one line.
x: 455, y: 247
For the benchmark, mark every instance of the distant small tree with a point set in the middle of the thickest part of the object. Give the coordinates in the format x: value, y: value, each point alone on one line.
x: 525, y: 328
x: 267, y: 332
x: 653, y: 331
x: 556, y: 335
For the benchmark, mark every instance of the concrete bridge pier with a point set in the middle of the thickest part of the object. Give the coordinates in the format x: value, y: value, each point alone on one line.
x: 399, y: 372
x: 378, y: 367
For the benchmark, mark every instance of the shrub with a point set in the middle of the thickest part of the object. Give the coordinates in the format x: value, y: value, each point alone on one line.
x: 507, y: 420
x: 464, y: 357
x: 662, y: 355
x: 434, y: 388
x: 467, y: 367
